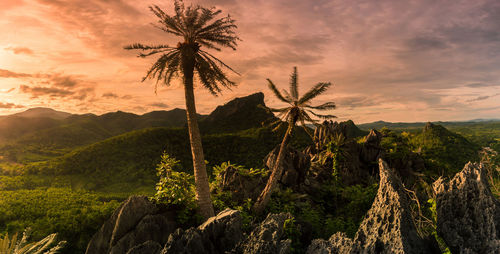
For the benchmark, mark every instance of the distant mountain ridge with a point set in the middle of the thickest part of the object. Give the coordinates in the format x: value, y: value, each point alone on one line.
x: 402, y: 125
x: 41, y: 112
x: 30, y: 135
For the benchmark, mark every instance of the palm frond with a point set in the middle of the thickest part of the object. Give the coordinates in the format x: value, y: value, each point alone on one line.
x: 276, y: 92
x: 147, y: 47
x: 198, y: 26
x: 218, y: 61
x: 324, y: 106
x: 293, y: 84
x: 304, y: 126
x: 308, y: 118
x: 314, y: 92
x: 321, y: 115
x: 278, y: 109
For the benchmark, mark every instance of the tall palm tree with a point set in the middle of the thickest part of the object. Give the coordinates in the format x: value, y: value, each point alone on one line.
x: 199, y: 27
x: 298, y: 111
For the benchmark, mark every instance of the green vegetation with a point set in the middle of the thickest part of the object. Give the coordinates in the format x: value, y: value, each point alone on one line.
x: 445, y: 152
x: 176, y: 189
x: 72, y: 188
x: 298, y: 110
x: 47, y: 245
x: 75, y: 215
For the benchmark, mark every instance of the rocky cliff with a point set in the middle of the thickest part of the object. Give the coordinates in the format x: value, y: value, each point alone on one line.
x: 468, y: 215
x: 387, y: 227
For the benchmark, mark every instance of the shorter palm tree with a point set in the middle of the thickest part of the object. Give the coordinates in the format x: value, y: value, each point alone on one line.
x: 298, y: 111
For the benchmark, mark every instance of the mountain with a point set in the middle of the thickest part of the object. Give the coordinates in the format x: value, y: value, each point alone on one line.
x: 444, y: 152
x: 414, y: 125
x: 33, y: 139
x: 130, y: 159
x: 43, y: 113
x: 239, y: 114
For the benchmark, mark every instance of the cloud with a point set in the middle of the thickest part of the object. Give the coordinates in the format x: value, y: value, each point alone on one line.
x: 483, y: 97
x: 158, y: 105
x: 38, y: 91
x: 9, y: 105
x: 110, y: 95
x: 424, y: 43
x: 59, y: 80
x: 11, y: 74
x: 57, y: 85
x: 480, y: 85
x: 355, y: 101
x: 20, y: 50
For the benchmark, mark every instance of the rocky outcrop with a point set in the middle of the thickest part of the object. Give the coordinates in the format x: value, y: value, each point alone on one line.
x: 370, y: 150
x: 241, y: 186
x: 295, y: 165
x: 468, y: 215
x: 136, y: 222
x: 387, y: 227
x: 219, y: 234
x: 268, y: 237
x: 239, y: 114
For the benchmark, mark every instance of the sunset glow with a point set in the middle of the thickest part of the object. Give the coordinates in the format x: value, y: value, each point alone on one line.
x: 388, y: 60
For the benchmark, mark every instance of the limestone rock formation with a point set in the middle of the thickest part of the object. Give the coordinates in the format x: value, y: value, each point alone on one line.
x: 135, y: 222
x: 468, y: 215
x: 219, y: 234
x: 268, y: 237
x: 387, y: 227
x: 239, y: 114
x: 295, y: 166
x: 241, y: 187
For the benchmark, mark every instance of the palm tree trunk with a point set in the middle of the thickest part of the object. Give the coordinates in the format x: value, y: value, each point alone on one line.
x: 265, y: 195
x: 200, y: 172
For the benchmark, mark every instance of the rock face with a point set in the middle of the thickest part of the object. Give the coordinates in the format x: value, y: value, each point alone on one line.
x: 387, y: 227
x: 136, y: 223
x: 242, y: 187
x: 268, y: 237
x: 239, y: 114
x: 468, y: 215
x: 219, y: 234
x: 295, y: 166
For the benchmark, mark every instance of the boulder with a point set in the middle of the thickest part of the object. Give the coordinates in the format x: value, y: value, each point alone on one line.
x: 219, y: 234
x: 135, y: 222
x: 468, y: 215
x: 387, y: 227
x: 268, y: 237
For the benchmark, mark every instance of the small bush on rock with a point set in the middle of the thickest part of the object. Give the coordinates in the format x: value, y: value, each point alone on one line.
x: 175, y: 188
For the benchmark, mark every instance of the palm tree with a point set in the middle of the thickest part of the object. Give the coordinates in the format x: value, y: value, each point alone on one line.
x: 199, y: 27
x: 297, y: 111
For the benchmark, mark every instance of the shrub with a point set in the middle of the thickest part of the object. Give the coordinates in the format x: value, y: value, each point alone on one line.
x: 175, y: 188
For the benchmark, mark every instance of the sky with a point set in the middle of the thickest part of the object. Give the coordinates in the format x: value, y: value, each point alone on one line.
x: 399, y: 61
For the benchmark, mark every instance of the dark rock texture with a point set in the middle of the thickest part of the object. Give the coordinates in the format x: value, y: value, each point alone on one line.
x: 239, y: 114
x: 149, y: 247
x: 219, y: 234
x: 241, y: 187
x: 468, y: 215
x: 387, y: 227
x: 295, y: 165
x: 268, y: 237
x: 135, y: 222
